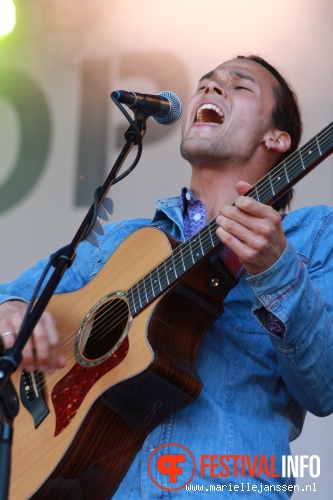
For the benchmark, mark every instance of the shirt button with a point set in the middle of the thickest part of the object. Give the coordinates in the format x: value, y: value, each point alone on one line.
x: 188, y: 196
x: 267, y: 298
x: 197, y: 217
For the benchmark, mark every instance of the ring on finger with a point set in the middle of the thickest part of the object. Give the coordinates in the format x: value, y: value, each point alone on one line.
x: 2, y: 345
x: 6, y: 333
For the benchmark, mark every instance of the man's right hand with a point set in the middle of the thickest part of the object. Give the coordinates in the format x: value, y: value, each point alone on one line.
x: 42, y: 349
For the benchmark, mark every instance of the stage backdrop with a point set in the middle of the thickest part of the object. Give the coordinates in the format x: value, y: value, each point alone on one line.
x: 60, y: 132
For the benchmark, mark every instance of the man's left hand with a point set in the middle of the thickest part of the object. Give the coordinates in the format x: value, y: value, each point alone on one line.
x: 253, y: 231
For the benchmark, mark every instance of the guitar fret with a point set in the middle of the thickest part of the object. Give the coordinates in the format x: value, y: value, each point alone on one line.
x: 201, y: 247
x: 216, y: 239
x: 280, y: 180
x: 286, y: 171
x: 139, y: 295
x: 188, y: 253
x: 257, y: 193
x: 152, y: 284
x: 318, y: 146
x: 133, y: 299
x: 300, y: 155
x: 170, y: 270
x: 205, y: 242
x: 167, y: 274
x: 174, y: 267
x: 182, y: 258
x: 178, y: 265
x: 271, y: 183
x: 311, y: 150
x: 211, y: 237
x: 155, y: 280
x: 152, y: 290
x: 145, y: 290
x: 159, y: 282
x: 196, y: 249
x: 191, y: 251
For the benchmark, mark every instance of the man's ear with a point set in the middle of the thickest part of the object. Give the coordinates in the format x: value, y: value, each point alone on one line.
x: 278, y: 141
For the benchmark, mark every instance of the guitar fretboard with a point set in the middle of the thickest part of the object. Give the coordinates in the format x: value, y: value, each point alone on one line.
x: 181, y: 260
x: 284, y: 175
x: 187, y: 254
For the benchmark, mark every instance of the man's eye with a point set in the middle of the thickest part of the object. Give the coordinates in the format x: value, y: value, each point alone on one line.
x: 242, y: 88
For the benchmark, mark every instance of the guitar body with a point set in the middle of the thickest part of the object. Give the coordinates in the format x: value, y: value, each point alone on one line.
x: 130, y: 339
x: 101, y: 406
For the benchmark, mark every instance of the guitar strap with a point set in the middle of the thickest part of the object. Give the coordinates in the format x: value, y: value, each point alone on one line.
x: 224, y: 273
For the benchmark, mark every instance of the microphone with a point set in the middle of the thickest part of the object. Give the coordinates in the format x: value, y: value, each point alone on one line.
x: 165, y: 108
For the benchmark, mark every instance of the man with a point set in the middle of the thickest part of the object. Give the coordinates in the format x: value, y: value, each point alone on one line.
x: 268, y: 358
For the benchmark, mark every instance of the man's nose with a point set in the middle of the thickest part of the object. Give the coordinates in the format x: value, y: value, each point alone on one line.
x: 214, y: 87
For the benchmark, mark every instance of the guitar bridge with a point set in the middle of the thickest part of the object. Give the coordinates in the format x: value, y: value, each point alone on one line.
x: 32, y: 395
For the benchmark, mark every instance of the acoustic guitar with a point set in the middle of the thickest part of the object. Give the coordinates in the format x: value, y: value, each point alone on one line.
x: 130, y: 337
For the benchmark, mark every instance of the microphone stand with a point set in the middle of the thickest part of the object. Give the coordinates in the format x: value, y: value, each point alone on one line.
x: 63, y: 258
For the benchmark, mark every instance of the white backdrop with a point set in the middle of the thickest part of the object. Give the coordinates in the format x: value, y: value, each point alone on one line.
x: 147, y: 46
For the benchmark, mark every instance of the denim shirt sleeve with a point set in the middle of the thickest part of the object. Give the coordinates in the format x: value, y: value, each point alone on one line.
x: 300, y: 297
x: 75, y: 276
x: 86, y: 264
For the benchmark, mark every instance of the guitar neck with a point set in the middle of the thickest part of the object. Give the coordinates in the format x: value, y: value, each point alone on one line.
x: 282, y: 177
x: 187, y: 254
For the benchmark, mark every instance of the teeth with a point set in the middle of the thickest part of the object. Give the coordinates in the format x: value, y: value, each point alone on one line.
x: 209, y: 106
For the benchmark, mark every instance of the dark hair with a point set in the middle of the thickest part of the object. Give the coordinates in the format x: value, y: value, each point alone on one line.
x: 286, y: 116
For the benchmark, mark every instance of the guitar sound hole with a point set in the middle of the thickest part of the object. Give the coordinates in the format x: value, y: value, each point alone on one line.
x: 105, y: 329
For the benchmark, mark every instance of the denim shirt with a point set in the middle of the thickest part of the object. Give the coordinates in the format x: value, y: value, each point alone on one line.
x: 257, y: 386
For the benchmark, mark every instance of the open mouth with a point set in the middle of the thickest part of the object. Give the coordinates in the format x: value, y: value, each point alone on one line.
x: 209, y: 113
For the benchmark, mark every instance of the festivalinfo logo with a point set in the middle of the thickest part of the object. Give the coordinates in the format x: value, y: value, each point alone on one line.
x: 172, y: 467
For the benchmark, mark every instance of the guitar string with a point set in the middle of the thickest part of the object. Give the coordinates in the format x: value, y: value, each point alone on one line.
x: 258, y: 190
x: 263, y: 188
x: 145, y: 296
x: 102, y: 320
x: 308, y: 147
x: 303, y: 149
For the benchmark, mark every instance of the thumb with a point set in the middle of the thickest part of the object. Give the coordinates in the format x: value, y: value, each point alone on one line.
x: 242, y: 187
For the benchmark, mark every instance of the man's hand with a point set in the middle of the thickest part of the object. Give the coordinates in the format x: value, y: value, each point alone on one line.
x: 42, y: 349
x: 253, y: 231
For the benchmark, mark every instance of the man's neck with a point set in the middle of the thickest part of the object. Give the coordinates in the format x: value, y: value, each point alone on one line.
x: 216, y: 187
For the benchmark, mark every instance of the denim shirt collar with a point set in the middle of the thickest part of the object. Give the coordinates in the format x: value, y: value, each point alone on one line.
x: 186, y: 211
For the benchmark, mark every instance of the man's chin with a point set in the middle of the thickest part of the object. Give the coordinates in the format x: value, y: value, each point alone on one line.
x: 198, y: 152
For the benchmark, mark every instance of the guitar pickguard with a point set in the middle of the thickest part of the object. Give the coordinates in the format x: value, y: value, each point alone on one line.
x: 68, y: 394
